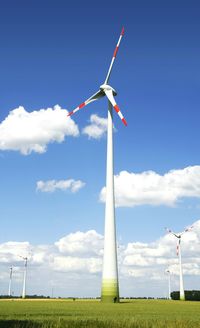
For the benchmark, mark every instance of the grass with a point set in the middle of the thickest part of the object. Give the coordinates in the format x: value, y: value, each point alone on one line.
x: 94, y: 314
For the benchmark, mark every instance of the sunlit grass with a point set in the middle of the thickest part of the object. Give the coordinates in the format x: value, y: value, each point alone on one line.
x: 94, y: 314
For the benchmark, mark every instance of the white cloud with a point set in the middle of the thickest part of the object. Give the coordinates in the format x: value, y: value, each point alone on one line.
x: 53, y: 185
x: 73, y: 265
x: 88, y: 243
x: 32, y: 132
x: 12, y: 250
x: 77, y: 264
x: 151, y: 188
x: 97, y: 127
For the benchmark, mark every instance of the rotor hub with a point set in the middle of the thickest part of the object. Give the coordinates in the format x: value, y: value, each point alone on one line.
x: 104, y: 87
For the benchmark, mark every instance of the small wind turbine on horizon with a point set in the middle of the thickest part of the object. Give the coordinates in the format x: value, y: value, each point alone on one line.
x: 110, y: 285
x: 178, y: 252
x: 10, y: 281
x: 24, y: 277
x: 169, y: 283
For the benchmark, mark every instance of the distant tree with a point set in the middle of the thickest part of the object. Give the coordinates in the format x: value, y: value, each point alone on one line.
x: 190, y: 295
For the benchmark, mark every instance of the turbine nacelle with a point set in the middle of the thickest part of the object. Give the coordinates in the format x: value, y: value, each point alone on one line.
x: 106, y: 87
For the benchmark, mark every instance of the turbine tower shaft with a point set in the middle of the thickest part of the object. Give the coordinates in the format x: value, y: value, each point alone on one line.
x: 182, y: 292
x: 10, y: 282
x: 110, y: 286
x: 24, y: 279
x: 169, y: 284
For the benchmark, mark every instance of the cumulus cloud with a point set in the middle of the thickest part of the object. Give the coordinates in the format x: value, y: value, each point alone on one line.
x: 88, y: 243
x: 53, y: 185
x: 77, y: 264
x: 151, y: 188
x: 73, y: 264
x: 79, y: 252
x: 28, y: 132
x: 12, y: 250
x: 97, y: 127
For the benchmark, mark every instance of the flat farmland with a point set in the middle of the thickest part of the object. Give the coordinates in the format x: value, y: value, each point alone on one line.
x: 91, y: 314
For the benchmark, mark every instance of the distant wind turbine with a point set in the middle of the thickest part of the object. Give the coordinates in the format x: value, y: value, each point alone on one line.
x: 10, y: 281
x: 24, y: 277
x: 169, y: 283
x: 110, y: 286
x: 178, y: 252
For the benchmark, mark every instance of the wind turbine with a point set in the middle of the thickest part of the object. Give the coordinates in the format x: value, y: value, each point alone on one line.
x: 178, y: 252
x: 10, y: 281
x: 110, y: 286
x: 169, y: 283
x: 24, y: 277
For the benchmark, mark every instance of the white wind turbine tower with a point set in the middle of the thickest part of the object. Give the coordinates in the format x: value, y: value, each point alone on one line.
x: 10, y: 281
x: 178, y: 252
x: 24, y: 277
x: 110, y: 286
x: 169, y: 283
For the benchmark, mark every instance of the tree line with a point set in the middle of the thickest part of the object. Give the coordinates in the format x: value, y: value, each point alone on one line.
x: 190, y: 295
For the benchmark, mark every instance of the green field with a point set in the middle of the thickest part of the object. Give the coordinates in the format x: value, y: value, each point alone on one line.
x: 92, y: 314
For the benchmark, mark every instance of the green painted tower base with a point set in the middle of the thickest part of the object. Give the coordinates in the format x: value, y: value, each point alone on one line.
x: 110, y: 291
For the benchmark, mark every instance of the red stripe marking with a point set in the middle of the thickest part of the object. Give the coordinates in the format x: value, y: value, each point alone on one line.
x: 122, y: 32
x: 116, y: 108
x: 70, y: 113
x: 81, y: 105
x: 124, y: 121
x: 115, y: 52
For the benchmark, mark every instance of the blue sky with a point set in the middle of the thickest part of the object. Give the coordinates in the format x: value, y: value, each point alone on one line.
x: 56, y: 52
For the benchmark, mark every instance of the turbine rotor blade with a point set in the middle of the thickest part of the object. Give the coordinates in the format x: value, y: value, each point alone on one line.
x: 186, y: 230
x: 111, y: 98
x: 114, y: 56
x: 94, y: 97
x: 173, y: 233
x: 21, y: 256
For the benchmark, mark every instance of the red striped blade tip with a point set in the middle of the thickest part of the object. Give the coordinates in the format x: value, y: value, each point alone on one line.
x: 122, y: 32
x: 124, y: 121
x: 117, y: 108
x: 82, y: 105
x: 115, y: 52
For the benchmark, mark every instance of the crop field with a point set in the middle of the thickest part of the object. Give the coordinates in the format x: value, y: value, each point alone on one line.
x: 92, y: 314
